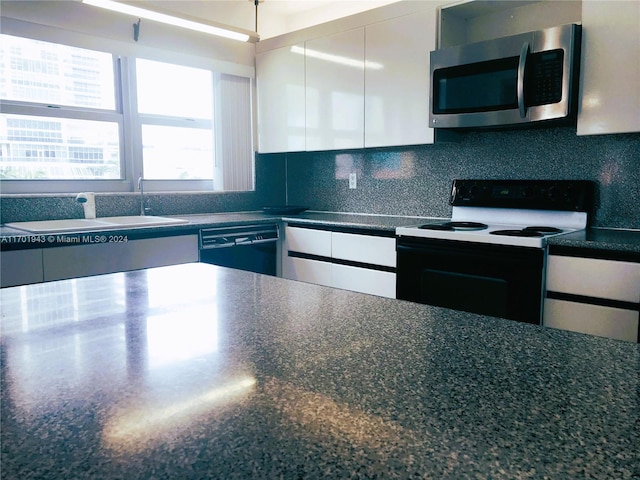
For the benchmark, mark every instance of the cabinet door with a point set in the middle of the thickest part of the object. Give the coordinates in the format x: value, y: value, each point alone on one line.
x: 84, y: 260
x: 305, y: 270
x: 397, y: 80
x: 281, y: 99
x: 364, y: 248
x: 307, y: 240
x: 364, y: 280
x: 335, y: 91
x: 591, y: 277
x: 21, y: 267
x: 610, y: 69
x: 592, y: 319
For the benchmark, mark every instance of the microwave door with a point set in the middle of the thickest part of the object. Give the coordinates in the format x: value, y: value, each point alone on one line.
x: 480, y: 84
x: 510, y: 80
x: 522, y: 63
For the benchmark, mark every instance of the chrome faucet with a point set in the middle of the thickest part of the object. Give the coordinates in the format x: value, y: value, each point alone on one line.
x: 88, y: 202
x: 143, y: 209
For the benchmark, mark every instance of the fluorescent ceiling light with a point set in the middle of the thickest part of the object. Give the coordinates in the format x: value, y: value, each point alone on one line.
x: 350, y: 62
x: 156, y: 16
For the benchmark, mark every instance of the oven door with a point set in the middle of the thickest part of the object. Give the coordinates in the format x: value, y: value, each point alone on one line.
x: 496, y: 280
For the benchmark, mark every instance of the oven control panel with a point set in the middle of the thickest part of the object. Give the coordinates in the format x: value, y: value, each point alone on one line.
x: 568, y: 195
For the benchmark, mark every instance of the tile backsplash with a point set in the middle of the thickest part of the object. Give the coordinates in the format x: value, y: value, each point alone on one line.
x: 270, y: 190
x: 411, y: 181
x: 417, y: 180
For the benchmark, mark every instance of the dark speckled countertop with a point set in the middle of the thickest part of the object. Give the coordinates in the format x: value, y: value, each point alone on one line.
x: 13, y: 239
x: 600, y: 239
x: 201, y: 372
x: 355, y: 220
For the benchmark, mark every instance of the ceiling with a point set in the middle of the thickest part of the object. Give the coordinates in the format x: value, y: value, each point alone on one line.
x: 275, y: 17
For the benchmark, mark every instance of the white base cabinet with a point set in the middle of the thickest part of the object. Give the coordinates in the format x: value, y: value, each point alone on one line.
x: 361, y: 263
x: 364, y: 280
x: 594, y: 296
x: 84, y: 260
x: 306, y: 270
x: 597, y: 320
x: 21, y: 267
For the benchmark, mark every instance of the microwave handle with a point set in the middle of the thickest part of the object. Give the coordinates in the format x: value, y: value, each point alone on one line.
x: 521, y: 65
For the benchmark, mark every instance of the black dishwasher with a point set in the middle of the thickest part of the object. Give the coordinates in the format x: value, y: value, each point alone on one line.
x: 246, y: 247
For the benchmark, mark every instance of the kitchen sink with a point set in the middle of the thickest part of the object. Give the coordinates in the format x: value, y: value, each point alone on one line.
x: 70, y: 225
x: 142, y: 221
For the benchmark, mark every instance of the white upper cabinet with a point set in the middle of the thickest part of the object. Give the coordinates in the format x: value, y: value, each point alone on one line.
x: 335, y: 91
x: 281, y: 99
x: 610, y: 69
x: 397, y: 80
x: 361, y: 81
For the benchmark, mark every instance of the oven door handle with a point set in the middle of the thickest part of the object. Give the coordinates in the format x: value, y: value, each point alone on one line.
x: 521, y: 67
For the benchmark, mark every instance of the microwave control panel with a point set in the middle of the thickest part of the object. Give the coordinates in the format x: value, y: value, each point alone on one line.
x: 544, y: 77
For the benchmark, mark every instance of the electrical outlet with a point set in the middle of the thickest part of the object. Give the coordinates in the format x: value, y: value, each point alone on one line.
x: 352, y: 180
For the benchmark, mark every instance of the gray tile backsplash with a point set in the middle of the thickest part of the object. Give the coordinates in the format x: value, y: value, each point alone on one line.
x: 395, y: 181
x: 416, y: 180
x: 270, y: 190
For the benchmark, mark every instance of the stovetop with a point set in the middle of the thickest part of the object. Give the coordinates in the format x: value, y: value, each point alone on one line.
x: 533, y: 236
x: 510, y: 212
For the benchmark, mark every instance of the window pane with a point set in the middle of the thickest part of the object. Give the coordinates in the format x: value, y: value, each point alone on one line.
x: 175, y: 153
x: 174, y: 90
x: 58, y: 148
x: 42, y: 72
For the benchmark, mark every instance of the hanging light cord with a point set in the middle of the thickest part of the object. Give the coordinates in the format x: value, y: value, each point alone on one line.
x: 256, y: 3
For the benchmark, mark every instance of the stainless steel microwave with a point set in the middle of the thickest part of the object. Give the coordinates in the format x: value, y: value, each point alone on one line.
x: 529, y: 77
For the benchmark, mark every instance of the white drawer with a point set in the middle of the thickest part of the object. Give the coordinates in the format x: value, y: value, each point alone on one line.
x: 304, y: 270
x: 592, y: 277
x: 364, y: 280
x: 364, y: 248
x: 592, y: 319
x: 306, y: 240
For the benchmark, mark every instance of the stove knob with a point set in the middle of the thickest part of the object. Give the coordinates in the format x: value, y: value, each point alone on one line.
x: 527, y: 192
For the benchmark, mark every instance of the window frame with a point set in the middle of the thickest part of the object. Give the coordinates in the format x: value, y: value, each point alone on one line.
x: 126, y: 116
x: 35, y: 186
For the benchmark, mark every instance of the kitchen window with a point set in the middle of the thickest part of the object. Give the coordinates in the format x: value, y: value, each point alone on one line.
x: 74, y: 119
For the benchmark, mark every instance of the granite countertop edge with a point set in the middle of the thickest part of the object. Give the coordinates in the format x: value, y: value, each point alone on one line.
x: 14, y: 239
x: 595, y: 238
x: 600, y: 239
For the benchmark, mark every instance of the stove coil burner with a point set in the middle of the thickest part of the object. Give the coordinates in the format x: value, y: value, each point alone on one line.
x: 517, y: 233
x: 455, y: 226
x: 527, y: 232
x: 543, y: 229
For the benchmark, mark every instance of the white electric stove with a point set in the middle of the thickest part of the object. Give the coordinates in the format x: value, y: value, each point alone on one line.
x: 500, y: 226
x: 489, y: 257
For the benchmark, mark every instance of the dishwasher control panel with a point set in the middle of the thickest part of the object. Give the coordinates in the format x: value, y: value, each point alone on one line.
x: 224, y: 237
